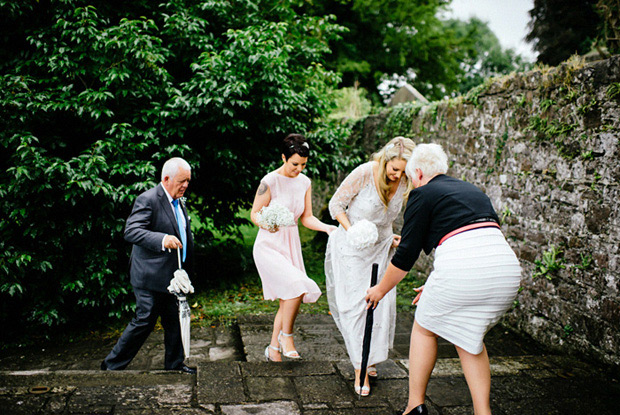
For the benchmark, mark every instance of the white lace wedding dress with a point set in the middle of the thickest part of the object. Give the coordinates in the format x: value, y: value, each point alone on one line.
x: 348, y: 270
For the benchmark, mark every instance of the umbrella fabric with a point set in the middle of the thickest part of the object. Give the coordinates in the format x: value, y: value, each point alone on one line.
x: 184, y: 320
x: 368, y: 330
x: 184, y: 315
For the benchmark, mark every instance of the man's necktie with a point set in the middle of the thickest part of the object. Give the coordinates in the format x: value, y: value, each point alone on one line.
x: 179, y: 215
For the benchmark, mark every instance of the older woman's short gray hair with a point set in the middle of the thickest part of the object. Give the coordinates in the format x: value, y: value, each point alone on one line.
x: 429, y: 158
x: 172, y: 166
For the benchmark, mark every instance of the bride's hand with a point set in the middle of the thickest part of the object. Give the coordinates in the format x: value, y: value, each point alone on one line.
x: 330, y: 229
x: 396, y: 241
x: 417, y: 297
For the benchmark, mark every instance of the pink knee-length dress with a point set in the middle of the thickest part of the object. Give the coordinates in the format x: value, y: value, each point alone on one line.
x: 278, y: 255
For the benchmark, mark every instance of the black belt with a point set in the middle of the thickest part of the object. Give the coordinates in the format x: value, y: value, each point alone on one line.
x: 487, y: 219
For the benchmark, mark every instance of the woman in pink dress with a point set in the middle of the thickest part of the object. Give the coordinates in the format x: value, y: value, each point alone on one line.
x: 277, y: 251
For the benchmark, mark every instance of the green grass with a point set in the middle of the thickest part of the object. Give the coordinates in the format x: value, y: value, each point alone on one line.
x: 244, y: 296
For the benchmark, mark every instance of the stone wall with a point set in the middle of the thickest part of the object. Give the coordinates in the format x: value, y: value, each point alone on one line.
x: 544, y: 145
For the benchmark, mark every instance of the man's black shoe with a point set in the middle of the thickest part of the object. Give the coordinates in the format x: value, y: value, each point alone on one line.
x: 188, y: 370
x: 104, y: 366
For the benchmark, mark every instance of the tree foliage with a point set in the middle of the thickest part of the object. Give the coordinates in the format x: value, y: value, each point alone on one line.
x: 391, y: 37
x: 483, y: 56
x: 561, y: 28
x: 95, y: 95
x: 609, y: 10
x: 409, y: 41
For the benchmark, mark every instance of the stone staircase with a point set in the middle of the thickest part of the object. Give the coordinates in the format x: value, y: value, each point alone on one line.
x: 233, y: 377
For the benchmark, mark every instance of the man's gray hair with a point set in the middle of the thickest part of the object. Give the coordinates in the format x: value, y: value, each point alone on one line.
x: 429, y: 158
x: 172, y: 166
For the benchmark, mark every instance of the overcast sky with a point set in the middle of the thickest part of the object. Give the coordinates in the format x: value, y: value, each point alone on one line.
x: 508, y: 19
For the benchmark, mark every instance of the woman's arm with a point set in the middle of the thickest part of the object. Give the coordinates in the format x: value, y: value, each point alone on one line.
x: 343, y: 220
x: 348, y: 189
x: 415, y: 228
x: 416, y: 224
x: 309, y: 220
x: 392, y: 276
x: 261, y: 199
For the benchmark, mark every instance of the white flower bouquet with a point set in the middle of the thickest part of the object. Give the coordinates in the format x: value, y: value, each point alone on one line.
x: 362, y: 234
x: 275, y: 215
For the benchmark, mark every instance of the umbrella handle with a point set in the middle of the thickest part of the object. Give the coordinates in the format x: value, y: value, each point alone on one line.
x: 374, y: 275
x: 179, y: 256
x: 368, y: 330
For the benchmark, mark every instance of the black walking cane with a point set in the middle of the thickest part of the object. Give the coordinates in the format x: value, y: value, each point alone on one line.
x: 368, y: 330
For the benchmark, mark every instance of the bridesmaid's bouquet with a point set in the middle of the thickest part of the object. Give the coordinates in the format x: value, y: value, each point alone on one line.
x: 362, y: 234
x: 275, y: 216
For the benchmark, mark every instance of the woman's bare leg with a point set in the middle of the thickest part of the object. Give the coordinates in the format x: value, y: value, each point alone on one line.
x: 357, y: 379
x: 277, y: 326
x: 422, y: 358
x: 478, y: 376
x: 289, y: 310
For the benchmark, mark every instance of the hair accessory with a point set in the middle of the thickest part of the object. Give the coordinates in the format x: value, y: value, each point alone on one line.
x: 389, y: 146
x: 302, y: 145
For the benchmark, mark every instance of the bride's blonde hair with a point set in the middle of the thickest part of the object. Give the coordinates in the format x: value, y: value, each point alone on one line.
x: 399, y: 148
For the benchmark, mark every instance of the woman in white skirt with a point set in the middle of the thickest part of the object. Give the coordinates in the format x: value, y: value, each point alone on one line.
x: 475, y: 279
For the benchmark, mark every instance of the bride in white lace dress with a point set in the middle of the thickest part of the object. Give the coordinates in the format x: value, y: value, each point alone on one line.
x: 374, y: 191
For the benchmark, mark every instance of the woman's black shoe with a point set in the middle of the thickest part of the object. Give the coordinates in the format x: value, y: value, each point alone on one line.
x: 418, y: 410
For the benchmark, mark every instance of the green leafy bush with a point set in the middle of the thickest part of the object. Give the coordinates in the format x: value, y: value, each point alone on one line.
x: 95, y: 95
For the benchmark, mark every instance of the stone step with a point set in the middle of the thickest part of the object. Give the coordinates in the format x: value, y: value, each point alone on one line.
x: 298, y: 387
x: 537, y: 366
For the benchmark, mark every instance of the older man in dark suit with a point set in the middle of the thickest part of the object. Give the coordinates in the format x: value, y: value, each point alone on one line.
x: 157, y: 226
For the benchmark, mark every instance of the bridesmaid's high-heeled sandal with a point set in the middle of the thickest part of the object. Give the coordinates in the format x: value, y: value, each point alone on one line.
x: 372, y: 371
x: 291, y: 354
x: 277, y: 349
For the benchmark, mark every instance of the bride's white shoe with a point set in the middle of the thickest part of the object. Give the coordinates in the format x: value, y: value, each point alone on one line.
x: 363, y: 391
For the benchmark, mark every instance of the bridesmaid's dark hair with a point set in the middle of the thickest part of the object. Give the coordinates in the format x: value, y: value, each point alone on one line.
x: 295, y: 144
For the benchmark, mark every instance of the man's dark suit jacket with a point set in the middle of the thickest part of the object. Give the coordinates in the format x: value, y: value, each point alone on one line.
x: 151, y: 219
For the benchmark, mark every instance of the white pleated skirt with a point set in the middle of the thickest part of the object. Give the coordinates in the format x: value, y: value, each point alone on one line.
x: 475, y: 279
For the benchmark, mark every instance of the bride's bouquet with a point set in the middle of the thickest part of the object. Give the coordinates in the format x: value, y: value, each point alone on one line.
x: 362, y: 234
x: 275, y: 215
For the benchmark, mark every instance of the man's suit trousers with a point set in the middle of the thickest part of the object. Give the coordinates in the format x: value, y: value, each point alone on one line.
x: 149, y: 306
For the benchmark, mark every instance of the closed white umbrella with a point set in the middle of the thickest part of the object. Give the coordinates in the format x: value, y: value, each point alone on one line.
x: 180, y: 286
x: 184, y: 319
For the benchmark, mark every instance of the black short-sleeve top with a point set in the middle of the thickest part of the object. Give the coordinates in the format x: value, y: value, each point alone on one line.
x: 442, y: 205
